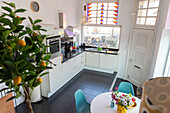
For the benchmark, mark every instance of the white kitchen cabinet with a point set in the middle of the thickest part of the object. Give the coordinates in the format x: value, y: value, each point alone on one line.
x: 65, y: 71
x: 106, y: 61
x: 101, y: 62
x: 52, y: 81
x: 92, y: 59
x: 55, y: 74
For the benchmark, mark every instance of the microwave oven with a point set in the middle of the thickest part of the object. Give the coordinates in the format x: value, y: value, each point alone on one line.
x: 55, y: 45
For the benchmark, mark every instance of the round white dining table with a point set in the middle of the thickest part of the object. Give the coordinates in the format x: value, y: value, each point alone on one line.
x: 101, y: 104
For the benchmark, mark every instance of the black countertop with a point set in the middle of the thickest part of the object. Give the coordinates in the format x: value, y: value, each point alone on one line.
x: 81, y: 50
x: 71, y: 54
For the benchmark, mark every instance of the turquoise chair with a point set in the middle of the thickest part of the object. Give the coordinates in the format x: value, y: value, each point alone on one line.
x: 82, y: 106
x: 126, y: 87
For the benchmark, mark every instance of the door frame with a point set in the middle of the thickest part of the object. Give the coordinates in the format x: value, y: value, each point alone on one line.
x: 133, y: 26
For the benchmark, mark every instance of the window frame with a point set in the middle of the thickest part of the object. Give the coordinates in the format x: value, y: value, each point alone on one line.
x: 103, y: 25
x: 157, y: 17
x: 105, y: 10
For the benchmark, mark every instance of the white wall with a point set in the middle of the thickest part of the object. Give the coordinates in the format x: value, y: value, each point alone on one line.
x: 49, y: 10
x: 162, y: 54
x: 167, y: 25
x: 161, y: 26
x: 124, y: 19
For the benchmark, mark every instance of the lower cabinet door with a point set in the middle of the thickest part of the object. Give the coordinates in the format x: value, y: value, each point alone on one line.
x: 92, y: 59
x: 106, y: 61
x: 55, y: 78
x: 54, y: 74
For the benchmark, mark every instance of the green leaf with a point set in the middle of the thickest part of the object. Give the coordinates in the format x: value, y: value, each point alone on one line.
x: 38, y: 57
x: 30, y: 20
x: 44, y: 74
x: 25, y: 48
x: 13, y: 97
x: 16, y: 87
x: 7, y: 62
x: 5, y: 21
x: 19, y: 28
x: 28, y: 41
x: 17, y: 21
x: 12, y: 14
x: 10, y: 4
x: 13, y: 45
x: 47, y: 57
x: 2, y: 28
x: 20, y: 10
x: 30, y: 73
x: 37, y: 21
x: 43, y: 30
x: 22, y: 33
x: 22, y: 18
x: 36, y: 84
x: 35, y: 49
x: 29, y: 78
x: 7, y: 9
x: 5, y: 35
x: 29, y: 31
x: 18, y: 94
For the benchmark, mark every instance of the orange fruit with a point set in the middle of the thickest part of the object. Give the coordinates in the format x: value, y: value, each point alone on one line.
x: 9, y: 47
x: 39, y: 80
x: 3, y: 67
x: 18, y: 17
x: 17, y: 80
x: 42, y: 63
x: 21, y: 43
x: 35, y: 34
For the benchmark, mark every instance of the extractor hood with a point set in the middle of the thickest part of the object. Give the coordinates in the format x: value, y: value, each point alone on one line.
x: 68, y: 33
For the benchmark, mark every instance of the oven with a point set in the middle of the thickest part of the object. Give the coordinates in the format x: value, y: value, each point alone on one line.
x: 55, y: 45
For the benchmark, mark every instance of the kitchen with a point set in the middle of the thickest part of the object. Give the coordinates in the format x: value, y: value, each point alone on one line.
x: 85, y: 37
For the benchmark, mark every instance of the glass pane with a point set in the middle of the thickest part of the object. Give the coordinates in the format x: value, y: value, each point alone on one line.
x: 102, y: 14
x: 112, y: 14
x: 112, y: 21
x: 113, y: 6
x: 154, y: 3
x: 152, y: 12
x: 92, y: 6
x: 91, y: 13
x: 101, y: 20
x: 150, y: 21
x: 92, y: 20
x: 102, y: 36
x: 142, y: 12
x: 102, y: 6
x: 140, y: 21
x: 143, y: 4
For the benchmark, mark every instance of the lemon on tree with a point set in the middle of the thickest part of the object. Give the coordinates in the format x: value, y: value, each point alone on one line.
x: 17, y: 80
x: 21, y: 43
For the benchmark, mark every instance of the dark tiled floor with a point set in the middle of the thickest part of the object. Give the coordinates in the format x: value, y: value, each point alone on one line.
x: 119, y: 80
x: 91, y: 82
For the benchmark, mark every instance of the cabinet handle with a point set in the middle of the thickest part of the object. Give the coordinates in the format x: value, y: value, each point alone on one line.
x: 137, y: 67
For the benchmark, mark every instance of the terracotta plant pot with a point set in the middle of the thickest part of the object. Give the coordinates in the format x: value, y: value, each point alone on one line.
x: 121, y: 109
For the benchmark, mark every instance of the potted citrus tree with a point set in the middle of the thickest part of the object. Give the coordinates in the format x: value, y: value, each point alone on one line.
x: 23, y: 55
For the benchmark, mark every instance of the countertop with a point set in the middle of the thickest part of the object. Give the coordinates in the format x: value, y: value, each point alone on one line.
x: 81, y: 50
x: 71, y: 54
